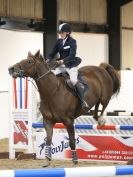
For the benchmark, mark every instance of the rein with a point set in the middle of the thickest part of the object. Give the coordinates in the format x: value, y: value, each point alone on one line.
x: 45, y: 73
x: 41, y: 77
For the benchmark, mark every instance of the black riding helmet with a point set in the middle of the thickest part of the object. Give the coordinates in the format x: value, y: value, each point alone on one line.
x: 64, y: 27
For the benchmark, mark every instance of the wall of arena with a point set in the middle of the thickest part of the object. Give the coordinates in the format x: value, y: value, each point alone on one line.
x: 14, y: 47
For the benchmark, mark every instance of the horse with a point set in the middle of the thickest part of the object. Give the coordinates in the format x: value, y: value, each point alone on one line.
x: 58, y: 104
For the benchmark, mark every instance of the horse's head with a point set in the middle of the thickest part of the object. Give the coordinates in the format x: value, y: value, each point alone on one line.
x: 26, y: 67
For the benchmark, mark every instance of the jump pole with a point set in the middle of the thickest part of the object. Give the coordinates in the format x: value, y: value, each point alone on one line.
x: 88, y: 126
x: 71, y: 172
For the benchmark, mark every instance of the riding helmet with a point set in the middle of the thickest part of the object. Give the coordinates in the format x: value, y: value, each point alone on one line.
x: 64, y: 27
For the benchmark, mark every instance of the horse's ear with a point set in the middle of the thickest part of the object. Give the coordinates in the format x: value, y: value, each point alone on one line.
x: 29, y: 54
x: 37, y: 54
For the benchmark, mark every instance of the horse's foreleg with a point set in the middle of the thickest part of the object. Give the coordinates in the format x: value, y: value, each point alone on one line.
x: 71, y: 134
x: 49, y: 131
x: 49, y: 135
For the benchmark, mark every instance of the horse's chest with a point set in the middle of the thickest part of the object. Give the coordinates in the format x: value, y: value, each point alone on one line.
x: 49, y: 112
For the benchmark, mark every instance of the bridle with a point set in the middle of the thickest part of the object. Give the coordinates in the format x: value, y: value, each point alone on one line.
x: 43, y: 75
x: 33, y: 74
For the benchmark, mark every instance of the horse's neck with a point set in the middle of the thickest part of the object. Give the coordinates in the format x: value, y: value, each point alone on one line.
x: 48, y: 83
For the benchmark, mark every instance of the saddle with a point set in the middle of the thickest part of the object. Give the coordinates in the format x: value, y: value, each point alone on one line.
x: 83, y: 84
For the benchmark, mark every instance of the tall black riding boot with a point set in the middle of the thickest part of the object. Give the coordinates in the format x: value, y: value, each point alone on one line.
x: 80, y: 92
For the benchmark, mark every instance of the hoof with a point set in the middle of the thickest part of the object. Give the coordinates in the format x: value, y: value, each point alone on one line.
x: 46, y: 164
x: 94, y: 117
x: 75, y: 162
x: 101, y: 121
x: 48, y: 158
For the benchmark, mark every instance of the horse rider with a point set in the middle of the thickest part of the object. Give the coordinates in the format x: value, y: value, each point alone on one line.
x: 66, y: 46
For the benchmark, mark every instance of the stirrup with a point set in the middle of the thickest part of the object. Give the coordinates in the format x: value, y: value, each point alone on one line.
x: 85, y: 105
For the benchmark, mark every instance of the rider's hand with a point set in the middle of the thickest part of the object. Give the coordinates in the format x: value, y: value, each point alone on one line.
x: 62, y: 62
x: 59, y: 62
x: 47, y: 60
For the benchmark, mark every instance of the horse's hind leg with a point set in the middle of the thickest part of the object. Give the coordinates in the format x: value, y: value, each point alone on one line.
x: 95, y: 113
x: 49, y: 134
x: 101, y: 120
x: 71, y: 133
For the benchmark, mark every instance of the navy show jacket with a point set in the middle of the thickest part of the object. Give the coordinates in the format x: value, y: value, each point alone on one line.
x: 67, y: 52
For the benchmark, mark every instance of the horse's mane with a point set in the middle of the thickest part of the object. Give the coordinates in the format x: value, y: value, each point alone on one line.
x: 114, y: 75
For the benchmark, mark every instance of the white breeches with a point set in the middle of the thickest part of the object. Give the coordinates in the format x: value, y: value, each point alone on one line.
x: 73, y: 72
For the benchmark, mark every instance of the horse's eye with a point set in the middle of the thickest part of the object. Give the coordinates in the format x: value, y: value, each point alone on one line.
x: 29, y: 61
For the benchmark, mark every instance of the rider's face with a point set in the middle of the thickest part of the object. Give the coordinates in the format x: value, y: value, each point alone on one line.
x: 63, y: 35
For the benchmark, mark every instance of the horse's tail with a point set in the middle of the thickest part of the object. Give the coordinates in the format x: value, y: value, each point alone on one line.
x: 114, y: 75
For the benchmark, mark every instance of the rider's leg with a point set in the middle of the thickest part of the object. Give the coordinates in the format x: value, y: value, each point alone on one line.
x: 80, y: 89
x: 73, y: 73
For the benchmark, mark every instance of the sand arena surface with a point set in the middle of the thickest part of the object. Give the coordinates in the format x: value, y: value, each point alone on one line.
x: 37, y: 164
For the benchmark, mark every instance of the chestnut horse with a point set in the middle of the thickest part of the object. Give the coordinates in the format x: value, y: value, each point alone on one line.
x: 58, y: 104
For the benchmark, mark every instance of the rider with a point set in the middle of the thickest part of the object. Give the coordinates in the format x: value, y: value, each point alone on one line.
x: 66, y: 46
